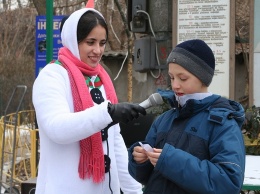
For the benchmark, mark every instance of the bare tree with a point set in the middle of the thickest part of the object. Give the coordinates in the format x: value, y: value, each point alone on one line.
x: 16, y: 52
x: 242, y: 39
x: 40, y: 6
x: 19, y: 4
x: 5, y: 5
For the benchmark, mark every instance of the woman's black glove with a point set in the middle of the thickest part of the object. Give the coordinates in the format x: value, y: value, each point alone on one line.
x: 125, y: 112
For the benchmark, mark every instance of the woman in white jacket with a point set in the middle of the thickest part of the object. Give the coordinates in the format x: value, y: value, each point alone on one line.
x: 81, y: 148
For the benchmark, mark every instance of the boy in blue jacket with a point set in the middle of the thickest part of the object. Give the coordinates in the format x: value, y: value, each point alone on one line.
x: 197, y: 145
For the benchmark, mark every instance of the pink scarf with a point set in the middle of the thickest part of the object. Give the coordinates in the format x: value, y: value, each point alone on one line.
x: 91, y: 163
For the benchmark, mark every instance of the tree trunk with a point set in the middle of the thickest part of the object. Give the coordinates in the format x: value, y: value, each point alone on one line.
x: 19, y: 4
x: 40, y: 6
x: 5, y: 5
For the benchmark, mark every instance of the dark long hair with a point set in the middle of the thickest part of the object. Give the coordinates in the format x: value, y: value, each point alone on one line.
x: 87, y: 22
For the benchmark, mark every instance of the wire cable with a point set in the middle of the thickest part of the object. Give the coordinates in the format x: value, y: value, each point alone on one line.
x: 121, y: 66
x: 31, y: 191
x: 109, y: 174
x: 156, y: 50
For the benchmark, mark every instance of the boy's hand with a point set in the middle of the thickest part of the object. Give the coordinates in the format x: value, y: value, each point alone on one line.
x: 139, y: 154
x: 153, y: 156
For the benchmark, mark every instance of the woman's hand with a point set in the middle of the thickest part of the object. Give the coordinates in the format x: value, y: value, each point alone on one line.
x: 139, y: 155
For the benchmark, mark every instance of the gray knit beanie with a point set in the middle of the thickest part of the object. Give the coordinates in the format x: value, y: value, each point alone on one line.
x: 196, y: 57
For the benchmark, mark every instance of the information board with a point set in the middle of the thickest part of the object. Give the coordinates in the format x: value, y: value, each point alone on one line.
x: 40, y: 42
x: 208, y: 20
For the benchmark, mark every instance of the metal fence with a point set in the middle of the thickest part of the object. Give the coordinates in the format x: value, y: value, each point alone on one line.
x: 19, y: 148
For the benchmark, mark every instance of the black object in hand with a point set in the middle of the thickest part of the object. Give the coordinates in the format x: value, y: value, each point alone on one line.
x: 125, y: 112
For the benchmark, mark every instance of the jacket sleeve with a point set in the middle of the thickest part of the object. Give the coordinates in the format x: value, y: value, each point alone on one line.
x: 222, y: 173
x: 53, y: 104
x: 142, y: 172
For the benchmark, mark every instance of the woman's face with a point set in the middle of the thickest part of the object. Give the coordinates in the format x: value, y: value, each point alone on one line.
x: 183, y: 82
x: 92, y: 47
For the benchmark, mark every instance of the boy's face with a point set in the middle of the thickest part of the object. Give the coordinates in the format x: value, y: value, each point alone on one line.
x: 183, y: 82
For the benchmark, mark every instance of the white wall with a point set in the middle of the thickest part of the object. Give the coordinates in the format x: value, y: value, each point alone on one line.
x: 256, y: 63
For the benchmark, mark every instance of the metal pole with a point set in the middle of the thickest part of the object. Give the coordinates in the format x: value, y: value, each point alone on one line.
x: 49, y: 30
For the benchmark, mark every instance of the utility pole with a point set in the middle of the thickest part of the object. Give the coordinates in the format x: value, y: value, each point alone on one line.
x: 49, y: 30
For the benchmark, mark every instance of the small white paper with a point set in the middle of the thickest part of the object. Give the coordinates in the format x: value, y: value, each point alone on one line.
x: 147, y: 147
